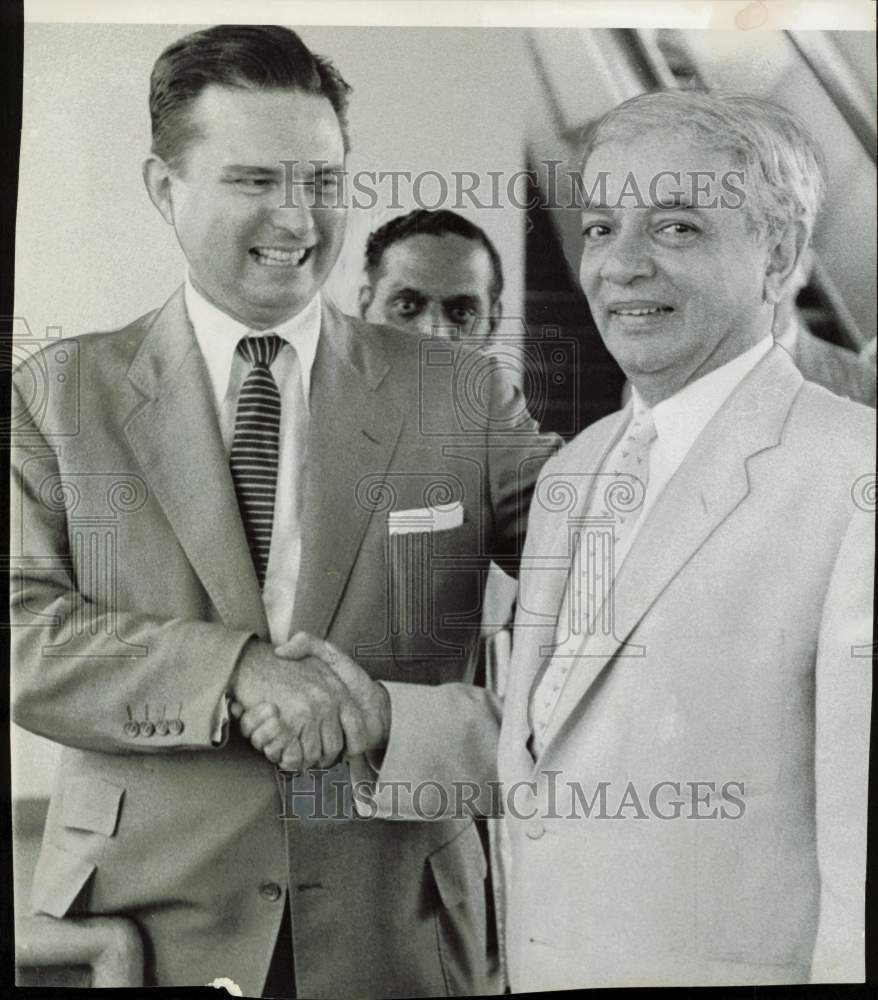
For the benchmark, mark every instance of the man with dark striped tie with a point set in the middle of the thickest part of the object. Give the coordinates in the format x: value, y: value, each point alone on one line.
x: 248, y: 464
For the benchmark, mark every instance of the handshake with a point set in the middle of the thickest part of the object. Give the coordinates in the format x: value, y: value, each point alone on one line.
x: 305, y: 704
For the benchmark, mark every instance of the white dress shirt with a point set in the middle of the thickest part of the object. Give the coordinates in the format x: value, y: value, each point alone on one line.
x: 218, y: 334
x: 679, y: 420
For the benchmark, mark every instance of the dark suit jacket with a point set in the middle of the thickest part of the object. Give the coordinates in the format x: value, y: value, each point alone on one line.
x: 134, y: 593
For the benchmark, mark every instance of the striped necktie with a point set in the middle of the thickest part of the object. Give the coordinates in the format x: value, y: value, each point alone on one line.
x: 255, y: 446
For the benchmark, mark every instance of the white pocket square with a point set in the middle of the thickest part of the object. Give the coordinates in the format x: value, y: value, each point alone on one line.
x: 439, y: 518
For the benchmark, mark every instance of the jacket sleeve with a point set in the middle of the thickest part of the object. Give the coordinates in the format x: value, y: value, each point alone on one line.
x: 90, y: 674
x: 843, y: 710
x: 441, y: 755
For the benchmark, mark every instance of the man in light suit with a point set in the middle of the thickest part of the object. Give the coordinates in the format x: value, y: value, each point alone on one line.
x: 239, y: 464
x: 684, y: 745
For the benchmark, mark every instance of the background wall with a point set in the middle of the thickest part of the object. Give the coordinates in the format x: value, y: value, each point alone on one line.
x: 92, y: 253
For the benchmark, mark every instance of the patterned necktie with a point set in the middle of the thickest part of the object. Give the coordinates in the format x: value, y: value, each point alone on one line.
x: 255, y: 447
x: 632, y: 460
x: 629, y: 459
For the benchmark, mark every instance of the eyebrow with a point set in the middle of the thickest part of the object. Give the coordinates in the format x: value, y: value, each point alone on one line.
x: 256, y: 170
x: 468, y: 299
x: 674, y: 202
x: 252, y: 169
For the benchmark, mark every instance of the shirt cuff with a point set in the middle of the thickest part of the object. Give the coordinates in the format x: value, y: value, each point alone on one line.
x: 220, y: 728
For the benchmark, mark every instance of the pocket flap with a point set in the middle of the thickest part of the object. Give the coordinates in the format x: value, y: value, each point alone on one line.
x: 459, y: 867
x: 91, y: 803
x: 59, y: 878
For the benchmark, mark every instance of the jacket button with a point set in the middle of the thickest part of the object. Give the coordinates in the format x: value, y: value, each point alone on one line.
x: 131, y: 729
x: 176, y: 727
x: 270, y: 890
x: 146, y: 728
x: 535, y: 828
x: 161, y: 727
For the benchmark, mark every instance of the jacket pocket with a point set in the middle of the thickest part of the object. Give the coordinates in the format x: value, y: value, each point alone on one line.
x: 459, y: 869
x: 434, y: 599
x: 91, y: 803
x: 74, y: 843
x: 59, y: 879
x: 756, y: 893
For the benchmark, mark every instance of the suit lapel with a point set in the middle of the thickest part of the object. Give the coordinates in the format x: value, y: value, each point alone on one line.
x: 710, y: 484
x: 562, y: 496
x: 176, y: 437
x: 576, y: 480
x: 353, y: 429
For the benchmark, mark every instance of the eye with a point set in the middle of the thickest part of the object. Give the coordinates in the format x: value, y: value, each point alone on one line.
x: 253, y: 185
x: 406, y: 307
x: 595, y: 231
x: 461, y: 314
x: 678, y: 229
x: 326, y: 190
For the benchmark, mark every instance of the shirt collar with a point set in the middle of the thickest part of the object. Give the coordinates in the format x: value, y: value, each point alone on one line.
x: 787, y: 338
x: 680, y: 418
x: 218, y: 334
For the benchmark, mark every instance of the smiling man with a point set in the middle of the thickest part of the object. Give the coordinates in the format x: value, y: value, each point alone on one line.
x: 433, y: 273
x: 718, y: 641
x: 236, y: 447
x: 685, y: 733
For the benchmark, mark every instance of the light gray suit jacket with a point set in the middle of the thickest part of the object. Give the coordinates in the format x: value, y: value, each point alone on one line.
x: 739, y: 656
x: 134, y: 592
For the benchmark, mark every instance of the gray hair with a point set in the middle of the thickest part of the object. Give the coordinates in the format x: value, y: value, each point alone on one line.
x: 784, y: 164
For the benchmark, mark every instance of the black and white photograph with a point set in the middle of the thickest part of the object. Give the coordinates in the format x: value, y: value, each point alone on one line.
x: 442, y: 490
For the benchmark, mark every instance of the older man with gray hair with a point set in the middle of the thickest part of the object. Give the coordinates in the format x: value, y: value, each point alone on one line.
x: 684, y: 744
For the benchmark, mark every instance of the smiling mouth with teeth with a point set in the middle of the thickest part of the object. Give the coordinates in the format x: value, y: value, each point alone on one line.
x: 642, y: 311
x: 272, y: 257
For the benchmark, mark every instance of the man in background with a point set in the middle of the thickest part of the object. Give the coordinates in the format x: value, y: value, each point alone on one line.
x: 433, y: 273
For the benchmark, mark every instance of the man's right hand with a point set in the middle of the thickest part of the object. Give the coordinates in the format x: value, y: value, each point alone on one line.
x: 306, y: 714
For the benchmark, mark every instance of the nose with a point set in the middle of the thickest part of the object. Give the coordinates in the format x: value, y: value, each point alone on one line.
x: 294, y: 215
x: 628, y: 257
x: 429, y: 318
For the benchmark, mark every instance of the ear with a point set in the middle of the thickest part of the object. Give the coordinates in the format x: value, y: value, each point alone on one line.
x: 364, y: 298
x: 784, y: 255
x: 496, y: 315
x: 157, y: 178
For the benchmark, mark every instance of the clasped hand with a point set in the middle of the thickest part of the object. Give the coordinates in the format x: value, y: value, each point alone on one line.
x: 305, y: 703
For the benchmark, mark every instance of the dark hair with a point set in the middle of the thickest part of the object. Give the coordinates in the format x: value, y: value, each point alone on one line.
x: 424, y: 222
x: 250, y: 56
